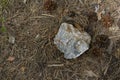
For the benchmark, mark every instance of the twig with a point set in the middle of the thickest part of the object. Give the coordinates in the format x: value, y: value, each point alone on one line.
x: 42, y: 16
x: 37, y: 17
x: 48, y: 15
x: 114, y: 37
x: 55, y: 65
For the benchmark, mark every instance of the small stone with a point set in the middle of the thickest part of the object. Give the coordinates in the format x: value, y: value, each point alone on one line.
x: 11, y: 39
x: 37, y: 36
x: 71, y: 41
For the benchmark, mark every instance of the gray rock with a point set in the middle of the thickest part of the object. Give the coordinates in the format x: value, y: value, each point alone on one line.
x: 11, y: 39
x: 71, y: 41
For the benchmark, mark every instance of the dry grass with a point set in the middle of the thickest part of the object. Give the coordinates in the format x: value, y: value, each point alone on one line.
x: 37, y: 58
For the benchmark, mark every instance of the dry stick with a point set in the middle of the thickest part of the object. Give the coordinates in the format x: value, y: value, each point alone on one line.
x: 42, y: 16
x: 114, y: 37
x: 48, y: 15
x: 55, y: 65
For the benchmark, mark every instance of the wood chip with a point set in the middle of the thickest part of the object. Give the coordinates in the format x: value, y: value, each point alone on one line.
x: 11, y: 58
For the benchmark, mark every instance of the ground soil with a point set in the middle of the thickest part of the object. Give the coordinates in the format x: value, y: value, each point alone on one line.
x: 34, y: 56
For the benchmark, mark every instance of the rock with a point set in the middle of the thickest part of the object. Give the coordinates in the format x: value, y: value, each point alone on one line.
x: 71, y: 41
x: 11, y: 39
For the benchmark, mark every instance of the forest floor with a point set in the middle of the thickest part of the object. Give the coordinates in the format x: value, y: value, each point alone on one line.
x: 28, y: 28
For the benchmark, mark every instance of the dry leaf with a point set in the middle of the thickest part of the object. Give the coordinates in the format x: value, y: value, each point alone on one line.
x: 107, y: 20
x: 11, y: 58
